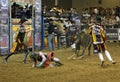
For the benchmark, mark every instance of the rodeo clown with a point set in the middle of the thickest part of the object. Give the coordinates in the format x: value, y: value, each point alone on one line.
x: 19, y: 43
x: 99, y: 38
x: 45, y: 59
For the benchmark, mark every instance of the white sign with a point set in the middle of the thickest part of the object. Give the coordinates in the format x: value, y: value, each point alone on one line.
x: 118, y: 34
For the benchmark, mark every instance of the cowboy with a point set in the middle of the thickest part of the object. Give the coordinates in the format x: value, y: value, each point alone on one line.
x: 44, y: 59
x: 19, y: 43
x: 99, y: 38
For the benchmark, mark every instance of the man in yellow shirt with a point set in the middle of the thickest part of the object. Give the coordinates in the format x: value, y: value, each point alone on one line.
x: 99, y: 38
x: 19, y: 43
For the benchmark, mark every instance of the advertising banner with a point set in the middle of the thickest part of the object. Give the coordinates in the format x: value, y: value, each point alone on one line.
x: 4, y: 44
x: 4, y: 27
x: 63, y: 40
x: 37, y: 29
x: 24, y: 1
x: 28, y: 36
x: 119, y: 34
x: 112, y: 34
x: 46, y: 42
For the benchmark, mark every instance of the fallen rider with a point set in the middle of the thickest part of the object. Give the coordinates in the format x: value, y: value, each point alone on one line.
x: 45, y: 59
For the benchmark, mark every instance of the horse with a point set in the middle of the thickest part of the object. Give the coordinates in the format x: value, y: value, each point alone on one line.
x: 83, y: 40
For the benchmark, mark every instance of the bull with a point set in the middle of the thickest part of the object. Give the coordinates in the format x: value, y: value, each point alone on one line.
x: 83, y: 40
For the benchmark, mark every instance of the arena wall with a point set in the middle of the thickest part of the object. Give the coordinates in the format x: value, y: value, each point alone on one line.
x: 80, y: 4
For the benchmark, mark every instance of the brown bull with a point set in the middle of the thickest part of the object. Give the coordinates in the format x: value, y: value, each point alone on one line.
x: 83, y: 40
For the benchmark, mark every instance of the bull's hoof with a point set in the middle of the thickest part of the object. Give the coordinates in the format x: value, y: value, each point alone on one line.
x: 80, y: 57
x: 71, y: 58
x: 74, y: 58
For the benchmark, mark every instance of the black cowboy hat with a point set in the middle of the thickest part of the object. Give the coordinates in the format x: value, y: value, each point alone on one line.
x: 22, y: 20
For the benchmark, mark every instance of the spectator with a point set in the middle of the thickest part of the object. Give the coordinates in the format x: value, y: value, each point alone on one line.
x: 51, y: 28
x: 59, y: 31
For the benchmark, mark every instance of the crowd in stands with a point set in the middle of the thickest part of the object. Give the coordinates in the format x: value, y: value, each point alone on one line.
x: 110, y: 16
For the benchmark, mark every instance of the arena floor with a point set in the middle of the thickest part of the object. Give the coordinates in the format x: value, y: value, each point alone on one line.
x: 86, y: 69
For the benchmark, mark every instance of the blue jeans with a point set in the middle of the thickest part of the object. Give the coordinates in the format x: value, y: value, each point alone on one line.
x: 59, y: 41
x: 25, y: 57
x: 51, y: 41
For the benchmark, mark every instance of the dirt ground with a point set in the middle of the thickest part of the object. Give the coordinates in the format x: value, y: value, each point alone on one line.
x: 86, y: 69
